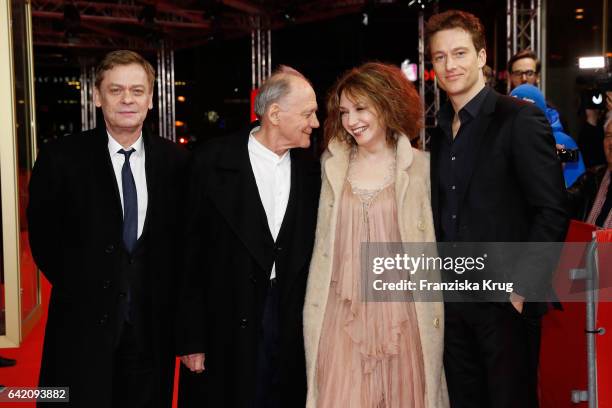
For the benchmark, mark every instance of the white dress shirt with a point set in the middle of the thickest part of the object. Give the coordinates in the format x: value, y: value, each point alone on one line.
x: 273, y: 178
x: 137, y: 164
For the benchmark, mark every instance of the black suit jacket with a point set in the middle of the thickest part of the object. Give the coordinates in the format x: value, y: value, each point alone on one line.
x: 75, y: 226
x: 229, y: 256
x: 515, y: 191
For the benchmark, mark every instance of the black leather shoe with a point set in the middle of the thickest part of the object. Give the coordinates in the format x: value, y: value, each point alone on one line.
x: 7, y: 362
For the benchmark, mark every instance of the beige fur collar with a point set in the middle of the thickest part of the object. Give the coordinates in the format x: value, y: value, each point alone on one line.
x: 336, y: 165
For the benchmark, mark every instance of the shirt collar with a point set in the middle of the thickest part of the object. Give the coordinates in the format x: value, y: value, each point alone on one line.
x: 472, y: 108
x: 114, y: 146
x: 258, y: 148
x: 474, y: 105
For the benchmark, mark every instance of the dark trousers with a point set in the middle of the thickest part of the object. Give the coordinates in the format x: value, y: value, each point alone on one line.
x: 268, y: 380
x: 133, y: 371
x: 491, y: 355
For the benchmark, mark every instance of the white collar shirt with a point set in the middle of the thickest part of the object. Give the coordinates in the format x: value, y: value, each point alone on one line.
x: 137, y: 165
x: 273, y: 177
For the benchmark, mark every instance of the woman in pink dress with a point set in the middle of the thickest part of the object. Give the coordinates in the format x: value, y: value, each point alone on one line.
x: 375, y: 189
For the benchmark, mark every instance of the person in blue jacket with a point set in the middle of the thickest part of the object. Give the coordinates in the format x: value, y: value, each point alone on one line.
x: 530, y: 93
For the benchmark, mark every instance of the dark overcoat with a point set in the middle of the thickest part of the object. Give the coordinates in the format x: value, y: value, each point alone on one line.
x: 230, y: 252
x: 75, y: 226
x: 514, y: 192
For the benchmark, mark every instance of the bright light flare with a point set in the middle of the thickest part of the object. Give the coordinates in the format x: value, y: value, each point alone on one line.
x: 591, y: 62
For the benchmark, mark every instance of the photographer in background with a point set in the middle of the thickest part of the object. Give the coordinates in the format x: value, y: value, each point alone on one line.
x: 592, y: 132
x: 591, y: 196
x: 567, y: 149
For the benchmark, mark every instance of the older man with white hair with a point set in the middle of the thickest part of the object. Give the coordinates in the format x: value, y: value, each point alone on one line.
x: 251, y: 223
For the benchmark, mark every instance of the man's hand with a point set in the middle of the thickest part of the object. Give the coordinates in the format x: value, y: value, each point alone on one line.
x: 517, y: 301
x: 194, y: 362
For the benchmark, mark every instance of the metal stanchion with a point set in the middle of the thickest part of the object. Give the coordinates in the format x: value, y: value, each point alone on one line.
x: 591, y: 277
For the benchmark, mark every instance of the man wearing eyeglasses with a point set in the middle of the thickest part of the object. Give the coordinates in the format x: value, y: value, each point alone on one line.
x: 524, y: 68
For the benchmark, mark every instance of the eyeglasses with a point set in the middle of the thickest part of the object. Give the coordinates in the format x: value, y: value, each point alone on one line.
x: 518, y: 73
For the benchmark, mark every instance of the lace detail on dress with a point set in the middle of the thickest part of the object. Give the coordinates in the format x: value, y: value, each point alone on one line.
x: 367, y: 196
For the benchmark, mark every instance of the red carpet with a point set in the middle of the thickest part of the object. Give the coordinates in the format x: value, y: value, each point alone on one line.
x: 25, y: 373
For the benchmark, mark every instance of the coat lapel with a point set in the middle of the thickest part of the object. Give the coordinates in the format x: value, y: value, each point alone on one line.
x: 104, y: 175
x: 404, y: 157
x: 297, y: 228
x: 435, y: 178
x: 295, y: 191
x: 151, y: 168
x: 235, y: 194
x: 481, y: 127
x: 336, y: 166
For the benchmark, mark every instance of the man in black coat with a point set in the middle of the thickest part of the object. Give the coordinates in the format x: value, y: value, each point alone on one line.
x: 495, y: 178
x: 251, y: 223
x: 104, y: 214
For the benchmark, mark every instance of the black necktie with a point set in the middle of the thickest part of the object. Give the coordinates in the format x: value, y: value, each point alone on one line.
x: 130, y: 203
x: 605, y: 210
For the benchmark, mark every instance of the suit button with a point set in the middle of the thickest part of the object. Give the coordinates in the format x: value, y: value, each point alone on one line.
x: 122, y: 295
x: 106, y: 284
x: 253, y: 278
x: 277, y: 248
x: 421, y: 225
x: 436, y: 323
x: 103, y: 319
x: 109, y: 248
x: 244, y: 322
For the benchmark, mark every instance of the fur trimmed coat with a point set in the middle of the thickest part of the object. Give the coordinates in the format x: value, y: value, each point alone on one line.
x: 412, y: 189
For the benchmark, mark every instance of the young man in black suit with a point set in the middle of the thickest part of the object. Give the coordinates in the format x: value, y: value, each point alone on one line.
x: 104, y: 214
x: 495, y: 178
x: 251, y: 224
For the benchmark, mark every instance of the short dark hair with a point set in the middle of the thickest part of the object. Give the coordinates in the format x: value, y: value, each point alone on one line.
x: 456, y: 19
x: 123, y: 57
x: 524, y: 54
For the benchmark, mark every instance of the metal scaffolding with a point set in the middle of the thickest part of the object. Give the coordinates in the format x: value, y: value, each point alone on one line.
x: 165, y: 92
x: 261, y: 52
x: 88, y: 107
x: 526, y: 28
x: 428, y: 89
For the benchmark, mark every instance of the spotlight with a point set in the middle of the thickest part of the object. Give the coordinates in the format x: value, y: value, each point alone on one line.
x: 591, y: 62
x: 289, y: 14
x: 364, y: 19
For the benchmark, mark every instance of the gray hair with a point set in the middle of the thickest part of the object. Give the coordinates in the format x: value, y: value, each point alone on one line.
x: 607, y: 120
x: 275, y: 88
